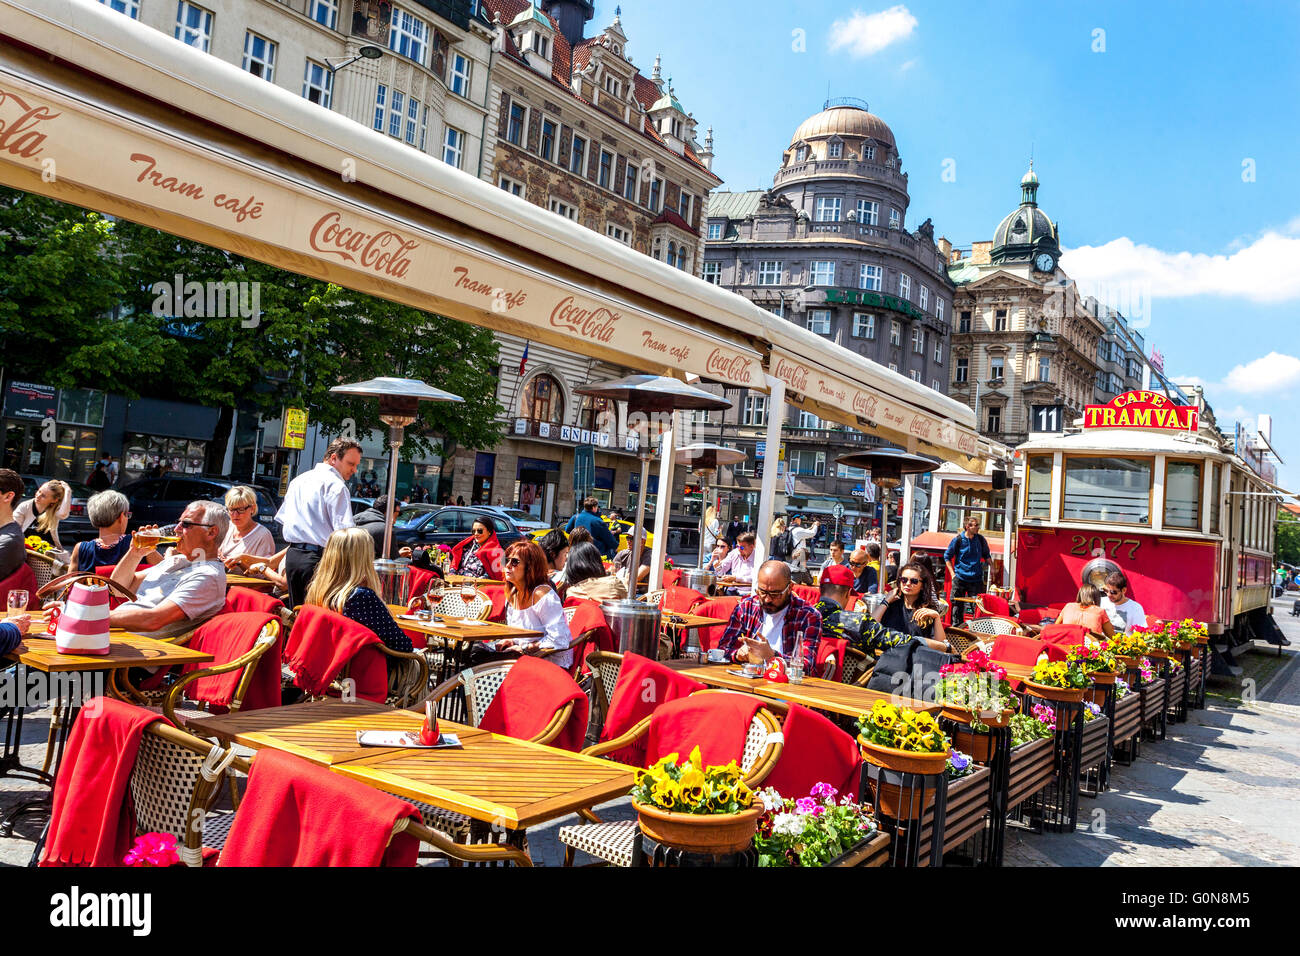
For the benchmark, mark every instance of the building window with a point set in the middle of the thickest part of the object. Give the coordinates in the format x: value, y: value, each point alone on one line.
x: 871, y: 277
x: 541, y: 45
x: 864, y: 325
x: 938, y: 309
x: 995, y: 420
x: 918, y: 340
x: 904, y: 286
x: 193, y: 25
x: 996, y: 364
x: 963, y: 323
x: 868, y: 212
x: 755, y: 410
x: 459, y: 75
x: 769, y: 272
x: 380, y: 107
x: 605, y: 175
x: 801, y: 154
x: 819, y: 321
x: 808, y: 462
x: 630, y: 181
x: 516, y: 124
x: 1000, y: 320
x: 961, y: 370
x: 543, y: 400
x: 656, y: 195
x: 934, y: 384
x: 835, y: 150
x: 512, y: 186
x: 895, y: 219
x: 619, y: 234
x: 938, y: 350
x: 809, y: 420
x: 578, y: 156
x: 868, y: 152
x: 1044, y: 368
x: 546, y: 144
x: 823, y: 272
x: 412, y: 120
x: 564, y: 209
x: 923, y: 298
x: 893, y: 366
x: 895, y: 334
x: 318, y: 84
x: 130, y: 7
x: 686, y: 205
x: 715, y: 230
x: 916, y: 375
x: 712, y: 273
x: 408, y: 35
x: 612, y: 86
x: 828, y: 210
x: 325, y: 12
x: 453, y: 147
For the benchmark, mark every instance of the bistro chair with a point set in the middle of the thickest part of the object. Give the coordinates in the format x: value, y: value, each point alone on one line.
x: 604, y: 667
x: 991, y: 626
x: 44, y: 567
x: 615, y: 842
x: 449, y: 603
x: 962, y: 639
x: 856, y: 665
x: 408, y: 672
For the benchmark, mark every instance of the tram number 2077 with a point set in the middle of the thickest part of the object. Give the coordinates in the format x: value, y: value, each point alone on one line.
x: 1081, y: 544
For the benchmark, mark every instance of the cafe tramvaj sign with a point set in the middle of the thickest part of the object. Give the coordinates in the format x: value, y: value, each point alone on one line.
x: 1141, y: 409
x: 877, y: 299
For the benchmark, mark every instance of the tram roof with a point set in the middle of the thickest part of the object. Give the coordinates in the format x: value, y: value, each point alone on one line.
x: 1131, y: 440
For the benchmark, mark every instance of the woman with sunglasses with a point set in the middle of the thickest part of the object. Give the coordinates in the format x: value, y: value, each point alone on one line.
x: 531, y: 603
x: 245, y: 536
x: 479, y: 555
x: 908, y: 606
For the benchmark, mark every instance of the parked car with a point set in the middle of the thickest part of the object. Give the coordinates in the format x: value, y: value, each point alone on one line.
x: 521, y: 519
x: 420, y: 526
x: 361, y: 504
x: 161, y: 500
x: 76, y: 527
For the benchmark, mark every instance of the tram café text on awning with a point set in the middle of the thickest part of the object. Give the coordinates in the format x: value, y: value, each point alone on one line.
x: 1142, y: 409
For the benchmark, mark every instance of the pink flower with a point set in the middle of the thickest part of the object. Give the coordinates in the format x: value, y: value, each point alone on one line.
x: 805, y: 805
x: 821, y: 790
x: 153, y: 849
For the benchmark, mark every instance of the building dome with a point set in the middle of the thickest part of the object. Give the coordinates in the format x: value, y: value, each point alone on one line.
x: 843, y: 120
x: 1026, y: 229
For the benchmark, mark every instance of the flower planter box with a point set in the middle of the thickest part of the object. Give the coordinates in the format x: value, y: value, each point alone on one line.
x: 1155, y: 699
x: 1177, y: 678
x: 1092, y: 753
x: 871, y: 852
x: 1128, y: 725
x: 1033, y: 767
x: 966, y: 814
x: 1194, y: 675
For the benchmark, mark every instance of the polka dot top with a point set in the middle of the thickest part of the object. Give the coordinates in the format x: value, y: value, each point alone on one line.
x: 365, y: 607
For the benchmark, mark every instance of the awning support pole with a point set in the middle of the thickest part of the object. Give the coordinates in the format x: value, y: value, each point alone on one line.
x: 663, y: 505
x: 771, y: 455
x: 905, y: 531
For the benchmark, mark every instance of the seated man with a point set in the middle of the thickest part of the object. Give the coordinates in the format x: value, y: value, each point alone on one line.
x: 624, y: 558
x: 737, y: 568
x: 773, y: 621
x: 188, y: 585
x: 1124, y: 612
x: 865, y: 565
x: 869, y: 636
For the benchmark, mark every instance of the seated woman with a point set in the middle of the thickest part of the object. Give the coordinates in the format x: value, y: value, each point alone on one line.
x: 109, y: 512
x: 909, y: 606
x: 587, y: 578
x: 345, y: 581
x: 555, y: 545
x: 53, y: 503
x: 530, y: 603
x: 713, y: 560
x: 479, y: 555
x: 1086, y: 610
x: 245, y: 536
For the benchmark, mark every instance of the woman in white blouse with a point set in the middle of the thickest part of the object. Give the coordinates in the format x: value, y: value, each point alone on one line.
x: 531, y: 603
x: 53, y: 503
x: 245, y: 536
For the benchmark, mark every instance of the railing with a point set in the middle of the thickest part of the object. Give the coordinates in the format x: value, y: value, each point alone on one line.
x: 841, y: 167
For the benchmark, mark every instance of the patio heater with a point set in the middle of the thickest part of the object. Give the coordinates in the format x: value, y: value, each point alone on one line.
x: 635, y: 624
x: 399, y: 400
x: 888, y: 466
x: 703, y: 460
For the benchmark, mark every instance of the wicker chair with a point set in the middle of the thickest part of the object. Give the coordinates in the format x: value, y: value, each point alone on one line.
x: 992, y: 625
x: 408, y: 672
x: 615, y: 842
x: 962, y: 639
x: 174, y: 783
x: 44, y: 567
x: 655, y: 597
x: 449, y: 603
x: 856, y: 663
x: 604, y: 667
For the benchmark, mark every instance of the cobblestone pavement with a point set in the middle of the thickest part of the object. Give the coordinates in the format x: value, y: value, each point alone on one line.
x: 1222, y: 790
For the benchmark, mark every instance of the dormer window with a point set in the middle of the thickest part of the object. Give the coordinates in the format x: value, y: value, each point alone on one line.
x: 801, y: 154
x: 612, y: 86
x: 868, y: 152
x: 835, y: 149
x: 541, y: 45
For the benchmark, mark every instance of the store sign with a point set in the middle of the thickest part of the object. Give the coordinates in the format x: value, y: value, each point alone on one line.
x: 877, y: 299
x: 31, y: 401
x: 578, y: 436
x: 295, y: 429
x: 1140, y: 409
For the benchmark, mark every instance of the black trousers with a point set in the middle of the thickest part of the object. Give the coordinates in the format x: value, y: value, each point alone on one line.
x: 299, y: 566
x: 964, y: 588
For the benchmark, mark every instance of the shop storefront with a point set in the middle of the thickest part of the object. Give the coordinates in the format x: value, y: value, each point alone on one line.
x: 164, y: 436
x: 537, y: 486
x: 52, y: 432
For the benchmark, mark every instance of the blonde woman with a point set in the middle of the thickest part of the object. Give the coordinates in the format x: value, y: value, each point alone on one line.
x: 53, y: 503
x: 245, y: 536
x: 345, y: 581
x: 712, y: 529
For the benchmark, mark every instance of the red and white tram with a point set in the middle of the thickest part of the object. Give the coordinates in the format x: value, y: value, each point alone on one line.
x: 1148, y: 489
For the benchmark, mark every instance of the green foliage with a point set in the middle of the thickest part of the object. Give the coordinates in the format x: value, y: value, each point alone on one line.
x: 1287, y: 544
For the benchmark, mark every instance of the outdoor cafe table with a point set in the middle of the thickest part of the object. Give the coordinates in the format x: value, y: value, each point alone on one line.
x: 490, y: 778
x: 847, y: 700
x: 681, y: 622
x: 246, y: 581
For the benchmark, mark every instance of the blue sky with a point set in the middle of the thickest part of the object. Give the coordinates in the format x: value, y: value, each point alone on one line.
x: 1165, y: 144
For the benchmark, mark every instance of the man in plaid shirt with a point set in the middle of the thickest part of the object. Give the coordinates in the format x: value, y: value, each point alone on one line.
x: 776, y: 614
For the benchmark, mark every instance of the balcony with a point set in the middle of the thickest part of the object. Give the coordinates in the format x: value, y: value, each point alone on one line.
x: 842, y: 167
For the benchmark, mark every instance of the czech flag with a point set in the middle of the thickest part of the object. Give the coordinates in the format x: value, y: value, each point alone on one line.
x: 523, y: 359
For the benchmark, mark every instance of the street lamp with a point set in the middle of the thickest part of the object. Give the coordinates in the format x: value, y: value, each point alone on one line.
x: 887, y: 467
x: 364, y: 53
x: 704, y: 460
x: 399, y: 401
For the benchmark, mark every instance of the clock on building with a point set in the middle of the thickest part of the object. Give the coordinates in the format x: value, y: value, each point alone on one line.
x: 1044, y: 262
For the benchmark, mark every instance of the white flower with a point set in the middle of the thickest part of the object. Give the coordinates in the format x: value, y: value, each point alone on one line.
x: 770, y: 799
x: 787, y: 824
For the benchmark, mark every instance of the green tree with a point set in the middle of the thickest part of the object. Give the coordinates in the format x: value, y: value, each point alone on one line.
x: 1286, y: 545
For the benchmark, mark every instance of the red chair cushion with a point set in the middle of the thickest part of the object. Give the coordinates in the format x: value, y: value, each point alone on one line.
x: 718, y: 607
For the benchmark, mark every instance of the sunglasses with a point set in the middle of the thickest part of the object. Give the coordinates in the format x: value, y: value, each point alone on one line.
x: 183, y: 524
x: 909, y: 580
x: 513, y: 562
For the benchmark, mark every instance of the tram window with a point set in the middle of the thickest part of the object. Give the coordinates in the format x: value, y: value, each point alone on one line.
x: 1039, y: 494
x: 1216, y: 486
x: 1116, y: 490
x: 1183, y: 494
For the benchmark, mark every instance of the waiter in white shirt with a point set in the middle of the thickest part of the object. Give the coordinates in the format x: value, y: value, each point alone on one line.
x: 318, y: 504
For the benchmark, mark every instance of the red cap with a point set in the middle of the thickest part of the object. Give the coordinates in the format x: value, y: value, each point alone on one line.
x: 838, y: 574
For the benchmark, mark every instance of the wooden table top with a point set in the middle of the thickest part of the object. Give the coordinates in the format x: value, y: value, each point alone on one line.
x: 124, y: 650
x: 457, y: 629
x: 457, y: 579
x: 845, y: 699
x: 690, y: 620
x: 490, y: 778
x: 244, y: 581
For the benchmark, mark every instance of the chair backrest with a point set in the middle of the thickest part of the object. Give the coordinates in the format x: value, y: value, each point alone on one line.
x: 681, y: 600
x: 175, y: 780
x: 763, y: 741
x: 568, y: 614
x: 450, y: 603
x: 656, y: 597
x: 993, y: 604
x: 605, y: 667
x: 855, y: 664
x: 992, y: 625
x: 960, y: 638
x: 481, y: 685
x: 44, y: 568
x: 808, y: 593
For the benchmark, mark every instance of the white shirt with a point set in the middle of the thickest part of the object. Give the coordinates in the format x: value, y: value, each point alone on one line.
x: 738, y: 566
x: 546, y: 615
x: 25, y: 515
x: 317, y: 505
x: 1126, y: 616
x: 801, y: 534
x: 258, y: 541
x: 197, y: 587
x: 773, y: 627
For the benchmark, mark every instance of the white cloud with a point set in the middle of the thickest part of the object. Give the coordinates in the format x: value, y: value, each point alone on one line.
x: 1271, y: 374
x: 863, y: 34
x: 907, y: 66
x: 1262, y: 271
